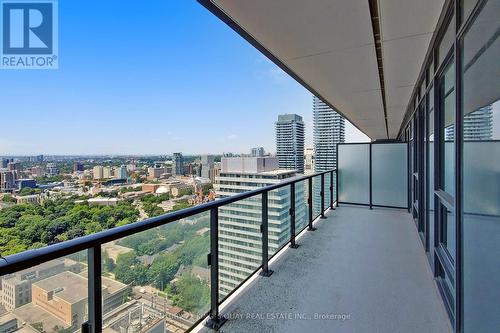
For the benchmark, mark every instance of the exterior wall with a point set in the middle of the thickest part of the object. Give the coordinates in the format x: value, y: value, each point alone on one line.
x: 248, y: 164
x: 178, y: 167
x: 57, y: 307
x: 290, y: 142
x: 329, y: 129
x: 239, y: 224
x: 16, y: 288
x: 207, y: 164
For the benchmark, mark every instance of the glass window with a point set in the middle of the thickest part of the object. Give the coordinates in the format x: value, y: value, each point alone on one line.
x: 447, y: 40
x: 467, y: 7
x: 481, y: 170
x: 448, y: 114
x: 430, y: 71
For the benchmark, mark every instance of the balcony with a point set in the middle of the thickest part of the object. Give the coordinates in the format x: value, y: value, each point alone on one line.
x: 362, y: 270
x: 197, y: 267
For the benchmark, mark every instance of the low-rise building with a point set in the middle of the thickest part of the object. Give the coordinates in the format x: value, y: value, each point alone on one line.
x: 103, y: 201
x: 16, y: 288
x: 30, y: 199
x: 65, y: 295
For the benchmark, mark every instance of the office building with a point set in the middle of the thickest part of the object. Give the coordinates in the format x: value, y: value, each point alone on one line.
x: 22, y: 183
x: 39, y: 158
x: 207, y: 164
x: 65, y: 295
x: 257, y: 152
x: 16, y: 288
x: 239, y: 224
x: 178, y: 167
x: 290, y: 142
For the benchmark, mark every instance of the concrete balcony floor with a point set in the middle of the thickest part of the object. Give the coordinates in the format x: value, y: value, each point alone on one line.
x: 368, y: 265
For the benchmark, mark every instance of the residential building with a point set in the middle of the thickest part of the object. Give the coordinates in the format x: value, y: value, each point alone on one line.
x: 178, y: 167
x: 309, y: 160
x: 13, y: 166
x: 156, y: 172
x: 207, y: 164
x: 290, y: 142
x: 8, y: 180
x: 121, y: 172
x: 98, y: 172
x: 5, y: 163
x: 37, y: 171
x: 477, y: 125
x: 51, y: 169
x: 214, y: 173
x: 239, y: 224
x: 107, y: 172
x: 329, y: 130
x: 257, y: 152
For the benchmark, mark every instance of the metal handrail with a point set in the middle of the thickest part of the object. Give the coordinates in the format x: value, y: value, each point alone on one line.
x: 93, y: 242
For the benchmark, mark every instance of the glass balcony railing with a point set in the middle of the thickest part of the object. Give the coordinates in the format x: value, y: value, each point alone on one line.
x: 166, y: 273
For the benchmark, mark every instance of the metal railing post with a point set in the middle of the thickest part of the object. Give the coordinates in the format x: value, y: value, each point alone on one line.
x: 94, y: 323
x: 322, y: 192
x: 331, y: 190
x: 310, y: 200
x: 215, y: 321
x: 264, y: 228
x: 293, y: 245
x: 371, y: 201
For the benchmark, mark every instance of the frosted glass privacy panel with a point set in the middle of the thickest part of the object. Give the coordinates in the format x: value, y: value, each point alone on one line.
x: 354, y: 173
x: 389, y: 174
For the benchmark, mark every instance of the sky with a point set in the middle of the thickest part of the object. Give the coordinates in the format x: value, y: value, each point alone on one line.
x: 148, y: 77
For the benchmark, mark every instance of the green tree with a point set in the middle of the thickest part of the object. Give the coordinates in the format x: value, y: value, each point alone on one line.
x: 190, y: 293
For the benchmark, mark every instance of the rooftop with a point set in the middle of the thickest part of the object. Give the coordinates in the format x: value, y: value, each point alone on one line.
x: 67, y: 286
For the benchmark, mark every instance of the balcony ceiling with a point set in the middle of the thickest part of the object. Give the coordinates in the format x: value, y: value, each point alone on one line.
x: 328, y: 46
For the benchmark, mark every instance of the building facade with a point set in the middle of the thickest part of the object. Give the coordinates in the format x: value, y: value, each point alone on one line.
x: 290, y: 142
x: 476, y: 125
x: 239, y: 223
x: 329, y: 129
x: 178, y: 167
x: 16, y: 288
x: 8, y: 180
x: 257, y: 152
x: 207, y: 164
x: 309, y: 161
